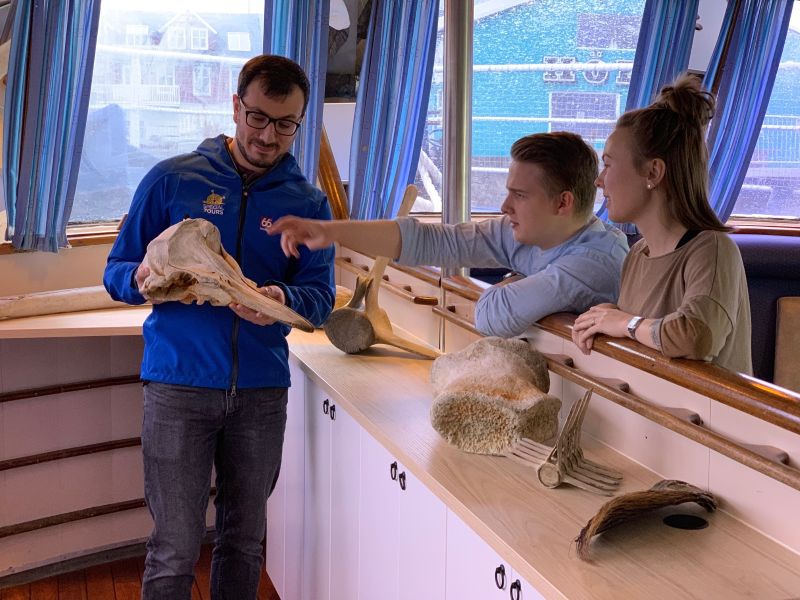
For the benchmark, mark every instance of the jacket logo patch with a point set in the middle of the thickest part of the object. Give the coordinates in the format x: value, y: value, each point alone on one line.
x: 214, y: 204
x: 266, y: 223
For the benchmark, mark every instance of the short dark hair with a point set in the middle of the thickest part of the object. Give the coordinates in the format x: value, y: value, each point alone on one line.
x: 568, y: 163
x: 276, y: 74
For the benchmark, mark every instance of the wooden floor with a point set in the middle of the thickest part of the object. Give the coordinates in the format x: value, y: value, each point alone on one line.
x: 118, y: 581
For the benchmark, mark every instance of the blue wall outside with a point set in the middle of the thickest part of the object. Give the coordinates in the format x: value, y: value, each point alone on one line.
x: 527, y: 33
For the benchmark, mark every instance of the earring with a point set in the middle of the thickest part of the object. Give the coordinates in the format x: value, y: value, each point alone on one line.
x: 649, y: 186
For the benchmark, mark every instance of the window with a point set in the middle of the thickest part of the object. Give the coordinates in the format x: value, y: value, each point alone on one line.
x: 526, y: 80
x: 145, y: 106
x: 165, y: 75
x: 239, y: 41
x: 772, y: 184
x: 233, y: 79
x: 176, y: 38
x: 136, y: 35
x: 565, y: 75
x: 590, y: 115
x: 201, y: 80
x: 199, y: 38
x: 624, y: 75
x: 127, y: 76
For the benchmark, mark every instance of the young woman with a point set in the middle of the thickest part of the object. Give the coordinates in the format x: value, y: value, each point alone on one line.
x: 683, y: 288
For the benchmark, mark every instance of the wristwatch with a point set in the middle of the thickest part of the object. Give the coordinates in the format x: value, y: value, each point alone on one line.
x: 632, y: 325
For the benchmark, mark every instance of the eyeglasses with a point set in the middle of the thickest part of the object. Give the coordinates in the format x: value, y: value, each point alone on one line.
x: 258, y: 120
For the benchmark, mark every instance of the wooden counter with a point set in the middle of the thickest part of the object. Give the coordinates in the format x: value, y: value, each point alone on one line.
x: 532, y: 527
x: 388, y: 394
x: 90, y: 323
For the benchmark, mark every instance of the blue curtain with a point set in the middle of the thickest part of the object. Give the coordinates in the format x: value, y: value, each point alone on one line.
x: 46, y: 103
x: 298, y: 29
x: 392, y: 105
x: 662, y: 53
x: 748, y: 74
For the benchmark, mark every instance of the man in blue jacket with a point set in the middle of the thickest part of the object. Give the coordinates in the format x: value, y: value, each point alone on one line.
x: 216, y: 378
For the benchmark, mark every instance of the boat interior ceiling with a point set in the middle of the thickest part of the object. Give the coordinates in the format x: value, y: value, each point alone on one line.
x: 393, y: 474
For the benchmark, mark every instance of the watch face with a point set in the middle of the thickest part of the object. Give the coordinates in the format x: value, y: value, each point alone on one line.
x: 633, y: 324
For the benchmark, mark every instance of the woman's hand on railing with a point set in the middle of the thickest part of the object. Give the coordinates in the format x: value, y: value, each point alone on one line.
x: 603, y: 318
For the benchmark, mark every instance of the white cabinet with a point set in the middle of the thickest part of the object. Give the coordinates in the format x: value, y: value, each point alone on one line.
x: 422, y: 541
x: 402, y: 531
x: 345, y: 451
x: 347, y: 521
x: 378, y: 532
x: 519, y: 589
x: 475, y: 571
x: 331, y: 499
x: 285, y: 506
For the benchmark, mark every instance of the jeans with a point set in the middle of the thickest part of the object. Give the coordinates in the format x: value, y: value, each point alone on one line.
x: 185, y: 431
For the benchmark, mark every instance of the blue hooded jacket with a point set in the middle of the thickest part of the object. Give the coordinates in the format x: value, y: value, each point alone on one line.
x: 209, y: 346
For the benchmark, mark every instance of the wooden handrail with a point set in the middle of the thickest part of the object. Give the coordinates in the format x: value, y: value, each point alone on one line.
x: 766, y: 460
x: 718, y: 76
x: 449, y: 313
x: 76, y: 386
x: 35, y: 459
x: 329, y: 179
x: 741, y: 453
x: 743, y: 227
x: 747, y: 394
x: 430, y: 275
x: 750, y: 395
x: 69, y: 517
x: 463, y: 286
x: 404, y: 291
x: 75, y: 515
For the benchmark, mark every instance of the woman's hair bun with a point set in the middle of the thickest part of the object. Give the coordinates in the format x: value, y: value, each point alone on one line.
x: 686, y: 97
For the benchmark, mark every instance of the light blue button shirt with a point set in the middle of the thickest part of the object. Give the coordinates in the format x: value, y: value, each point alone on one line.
x: 571, y: 277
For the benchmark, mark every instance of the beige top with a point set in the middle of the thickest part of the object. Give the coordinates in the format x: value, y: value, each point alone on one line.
x: 700, y: 290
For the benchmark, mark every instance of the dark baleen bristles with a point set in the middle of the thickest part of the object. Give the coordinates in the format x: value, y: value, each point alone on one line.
x: 629, y: 506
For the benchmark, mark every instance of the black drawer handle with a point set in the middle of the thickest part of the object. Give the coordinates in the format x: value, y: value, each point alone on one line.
x: 393, y: 471
x: 402, y: 479
x: 516, y: 590
x: 325, y: 406
x: 333, y: 412
x: 500, y: 577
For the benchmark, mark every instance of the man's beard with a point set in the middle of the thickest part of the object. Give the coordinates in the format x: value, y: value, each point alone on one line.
x: 261, y: 164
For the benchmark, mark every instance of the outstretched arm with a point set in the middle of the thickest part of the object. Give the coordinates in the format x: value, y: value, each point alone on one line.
x: 376, y: 238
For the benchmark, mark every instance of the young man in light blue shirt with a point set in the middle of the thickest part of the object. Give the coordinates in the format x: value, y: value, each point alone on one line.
x: 565, y: 259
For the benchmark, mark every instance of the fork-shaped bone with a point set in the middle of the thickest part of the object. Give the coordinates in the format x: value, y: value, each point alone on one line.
x: 564, y: 462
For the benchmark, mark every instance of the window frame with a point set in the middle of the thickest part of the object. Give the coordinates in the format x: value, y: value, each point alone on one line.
x: 172, y: 37
x: 203, y: 39
x: 135, y: 33
x: 241, y: 36
x: 196, y: 68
